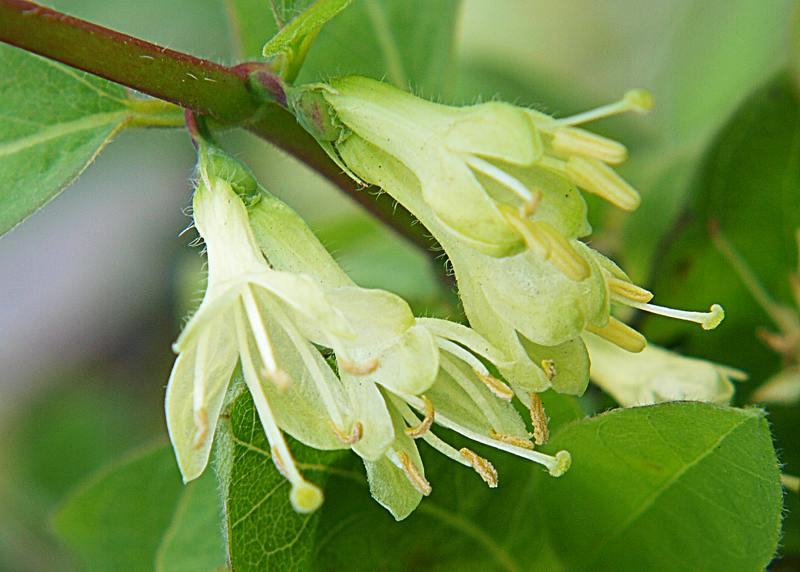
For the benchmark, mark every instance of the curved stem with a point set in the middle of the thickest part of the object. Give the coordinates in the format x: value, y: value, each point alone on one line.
x: 248, y: 95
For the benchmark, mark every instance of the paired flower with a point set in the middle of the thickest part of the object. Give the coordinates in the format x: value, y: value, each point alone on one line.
x: 453, y: 387
x: 534, y: 293
x: 274, y: 296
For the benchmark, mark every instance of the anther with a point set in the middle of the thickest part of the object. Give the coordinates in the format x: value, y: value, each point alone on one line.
x: 541, y: 432
x: 424, y: 426
x: 623, y: 291
x: 278, y: 377
x: 413, y: 474
x: 511, y: 440
x: 362, y: 368
x: 497, y: 387
x: 355, y: 434
x: 707, y: 320
x: 549, y: 368
x: 548, y: 243
x: 574, y: 141
x: 482, y: 466
x: 598, y: 178
x: 621, y: 335
x: 201, y: 423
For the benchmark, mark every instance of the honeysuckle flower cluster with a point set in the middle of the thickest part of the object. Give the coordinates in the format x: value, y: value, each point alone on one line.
x: 497, y: 186
x: 274, y: 295
x: 337, y: 366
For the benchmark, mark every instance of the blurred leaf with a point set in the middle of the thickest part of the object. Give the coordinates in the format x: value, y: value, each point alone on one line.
x: 463, y: 525
x: 117, y: 519
x: 408, y: 42
x: 252, y: 23
x: 680, y: 485
x: 750, y: 183
x: 785, y: 423
x: 53, y: 122
x: 192, y: 542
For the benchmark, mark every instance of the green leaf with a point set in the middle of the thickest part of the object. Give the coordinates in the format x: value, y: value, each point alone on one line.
x: 683, y: 485
x: 263, y: 530
x: 463, y: 525
x: 117, y: 519
x: 53, y: 123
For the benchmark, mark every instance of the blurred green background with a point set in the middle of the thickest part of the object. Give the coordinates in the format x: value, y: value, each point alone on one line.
x: 95, y: 286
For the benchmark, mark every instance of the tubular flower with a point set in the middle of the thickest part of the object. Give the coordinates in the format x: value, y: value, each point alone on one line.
x: 496, y: 185
x: 259, y: 317
x: 457, y: 391
x: 656, y: 375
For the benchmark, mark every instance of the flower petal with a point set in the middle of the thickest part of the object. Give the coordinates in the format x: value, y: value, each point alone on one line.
x: 215, y: 361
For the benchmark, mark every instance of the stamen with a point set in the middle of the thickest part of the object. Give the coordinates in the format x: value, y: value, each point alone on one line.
x: 541, y: 432
x: 305, y: 497
x: 549, y: 368
x: 620, y: 334
x: 497, y: 387
x: 556, y: 466
x: 424, y: 426
x: 791, y: 482
x: 355, y: 435
x: 511, y: 183
x: 511, y: 440
x: 362, y: 368
x: 472, y: 389
x: 548, y: 243
x: 708, y: 320
x: 413, y: 474
x: 598, y: 178
x: 201, y: 424
x: 574, y: 141
x: 623, y: 291
x: 636, y: 100
x: 482, y: 466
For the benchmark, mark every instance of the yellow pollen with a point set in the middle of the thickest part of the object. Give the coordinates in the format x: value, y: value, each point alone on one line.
x: 621, y: 335
x: 624, y: 290
x: 413, y: 474
x: 574, y: 141
x: 511, y: 440
x: 355, y: 435
x: 549, y: 368
x: 541, y: 432
x: 482, y: 466
x: 497, y: 387
x: 201, y: 423
x: 425, y: 425
x: 600, y: 179
x: 363, y: 368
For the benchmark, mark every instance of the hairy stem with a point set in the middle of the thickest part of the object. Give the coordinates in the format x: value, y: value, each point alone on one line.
x: 223, y: 93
